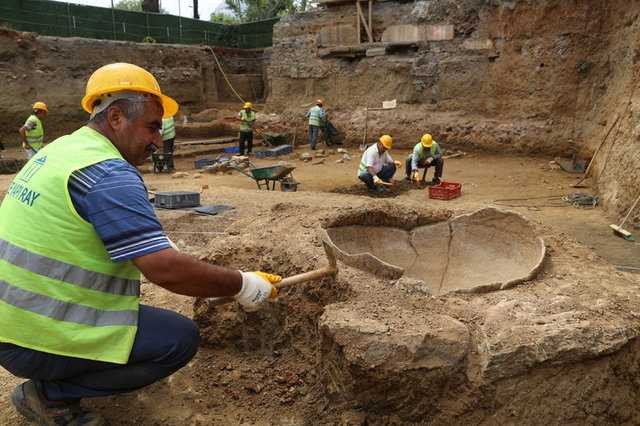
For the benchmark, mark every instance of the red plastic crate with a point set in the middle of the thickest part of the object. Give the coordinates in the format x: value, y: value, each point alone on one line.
x: 445, y: 190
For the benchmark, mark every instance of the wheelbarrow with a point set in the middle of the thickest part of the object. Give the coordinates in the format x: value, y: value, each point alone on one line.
x: 266, y: 177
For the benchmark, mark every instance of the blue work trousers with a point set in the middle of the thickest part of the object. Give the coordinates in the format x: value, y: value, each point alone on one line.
x: 386, y: 173
x: 314, y: 133
x: 165, y: 342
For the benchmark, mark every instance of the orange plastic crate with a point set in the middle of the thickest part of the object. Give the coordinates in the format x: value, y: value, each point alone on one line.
x: 445, y: 190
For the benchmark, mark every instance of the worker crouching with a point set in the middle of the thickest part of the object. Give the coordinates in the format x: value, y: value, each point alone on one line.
x: 376, y: 165
x: 426, y: 153
x: 77, y: 230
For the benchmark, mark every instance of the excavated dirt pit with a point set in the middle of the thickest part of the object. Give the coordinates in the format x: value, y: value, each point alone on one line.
x: 486, y: 250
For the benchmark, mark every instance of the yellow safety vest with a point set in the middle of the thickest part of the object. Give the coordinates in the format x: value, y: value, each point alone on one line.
x: 59, y: 290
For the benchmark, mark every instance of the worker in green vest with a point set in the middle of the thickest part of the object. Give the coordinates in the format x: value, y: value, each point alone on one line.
x: 317, y: 116
x: 32, y: 131
x: 247, y: 117
x: 425, y: 154
x: 168, y: 139
x: 76, y: 232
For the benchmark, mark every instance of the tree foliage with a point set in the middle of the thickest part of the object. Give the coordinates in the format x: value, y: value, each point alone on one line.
x: 132, y: 5
x: 258, y: 10
x: 223, y: 18
x: 139, y: 6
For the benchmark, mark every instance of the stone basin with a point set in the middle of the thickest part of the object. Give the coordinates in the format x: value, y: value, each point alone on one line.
x: 489, y: 249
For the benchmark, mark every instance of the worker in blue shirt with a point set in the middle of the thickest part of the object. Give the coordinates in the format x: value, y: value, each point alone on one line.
x: 76, y: 232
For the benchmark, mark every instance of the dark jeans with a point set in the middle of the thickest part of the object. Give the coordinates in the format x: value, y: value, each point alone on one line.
x: 167, y: 148
x: 437, y: 162
x: 314, y: 132
x: 248, y: 138
x: 165, y: 342
x: 386, y: 173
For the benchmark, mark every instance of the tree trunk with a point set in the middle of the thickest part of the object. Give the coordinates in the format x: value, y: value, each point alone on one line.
x: 151, y: 6
x: 196, y: 15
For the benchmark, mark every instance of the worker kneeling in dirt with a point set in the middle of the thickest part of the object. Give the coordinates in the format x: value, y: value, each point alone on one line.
x: 425, y: 154
x: 76, y: 231
x: 376, y: 166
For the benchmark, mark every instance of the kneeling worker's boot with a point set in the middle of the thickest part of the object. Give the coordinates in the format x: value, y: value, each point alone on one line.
x: 33, y: 405
x: 435, y: 181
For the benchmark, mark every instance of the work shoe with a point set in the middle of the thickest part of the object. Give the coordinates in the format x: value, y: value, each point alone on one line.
x: 30, y: 402
x: 435, y: 181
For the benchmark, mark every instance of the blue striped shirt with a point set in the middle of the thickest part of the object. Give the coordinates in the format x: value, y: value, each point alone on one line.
x: 112, y: 197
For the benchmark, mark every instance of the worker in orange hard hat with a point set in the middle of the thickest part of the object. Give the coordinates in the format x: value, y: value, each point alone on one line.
x: 317, y: 116
x: 247, y: 117
x: 32, y: 131
x: 77, y: 231
x: 376, y: 167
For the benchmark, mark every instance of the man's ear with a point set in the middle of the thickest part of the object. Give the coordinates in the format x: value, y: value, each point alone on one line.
x: 115, y: 117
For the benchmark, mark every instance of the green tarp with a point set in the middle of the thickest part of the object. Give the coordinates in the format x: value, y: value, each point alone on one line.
x: 55, y: 18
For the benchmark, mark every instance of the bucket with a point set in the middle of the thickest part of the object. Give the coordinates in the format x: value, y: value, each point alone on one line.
x: 288, y: 185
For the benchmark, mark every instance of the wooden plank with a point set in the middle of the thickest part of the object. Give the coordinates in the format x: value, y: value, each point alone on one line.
x: 364, y: 22
x: 358, y: 19
x: 215, y: 141
x: 370, y: 25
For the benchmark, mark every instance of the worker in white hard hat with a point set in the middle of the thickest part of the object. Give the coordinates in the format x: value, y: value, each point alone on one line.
x: 317, y: 116
x: 76, y: 232
x: 32, y: 131
x: 425, y: 154
x: 247, y: 117
x: 376, y: 165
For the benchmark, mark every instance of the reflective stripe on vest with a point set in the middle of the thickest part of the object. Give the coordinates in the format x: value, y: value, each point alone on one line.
x: 60, y: 292
x: 62, y: 271
x: 35, y: 137
x: 63, y: 311
x: 168, y: 128
x: 316, y: 116
x: 246, y: 120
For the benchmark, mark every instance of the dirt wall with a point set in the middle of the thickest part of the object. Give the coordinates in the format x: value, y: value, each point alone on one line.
x: 512, y: 76
x: 55, y: 70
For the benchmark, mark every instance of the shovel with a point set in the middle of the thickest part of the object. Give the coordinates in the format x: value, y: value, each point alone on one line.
x: 330, y: 270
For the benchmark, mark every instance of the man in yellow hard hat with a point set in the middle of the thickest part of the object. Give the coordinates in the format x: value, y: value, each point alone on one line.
x: 76, y: 232
x: 32, y: 131
x: 425, y: 154
x: 247, y: 117
x: 317, y: 116
x: 376, y: 165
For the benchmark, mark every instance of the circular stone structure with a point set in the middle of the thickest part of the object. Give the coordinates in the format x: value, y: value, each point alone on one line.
x: 489, y: 249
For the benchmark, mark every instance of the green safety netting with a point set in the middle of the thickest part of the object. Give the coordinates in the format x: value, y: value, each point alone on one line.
x: 55, y: 18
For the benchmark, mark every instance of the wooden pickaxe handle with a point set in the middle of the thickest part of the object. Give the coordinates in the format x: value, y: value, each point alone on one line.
x: 330, y: 270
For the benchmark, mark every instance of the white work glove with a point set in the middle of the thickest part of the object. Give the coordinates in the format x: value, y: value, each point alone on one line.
x: 398, y: 164
x: 415, y: 176
x: 256, y: 289
x: 376, y: 180
x: 429, y: 160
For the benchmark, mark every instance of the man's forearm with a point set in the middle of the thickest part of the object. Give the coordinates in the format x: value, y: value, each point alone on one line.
x: 184, y: 274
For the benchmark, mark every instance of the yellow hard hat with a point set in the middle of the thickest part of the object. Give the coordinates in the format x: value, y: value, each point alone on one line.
x: 120, y: 77
x: 319, y: 102
x: 386, y: 141
x: 40, y: 105
x: 426, y: 140
x: 247, y: 105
